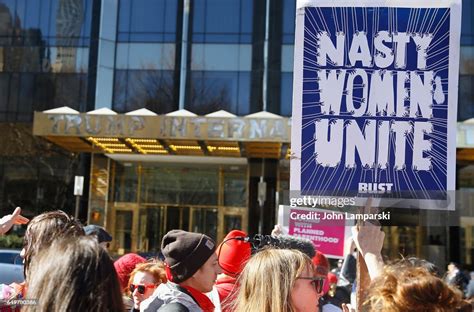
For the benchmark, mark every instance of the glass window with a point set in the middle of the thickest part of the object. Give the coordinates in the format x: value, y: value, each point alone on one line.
x: 213, y: 90
x: 286, y: 94
x: 232, y: 222
x: 19, y: 13
x: 33, y: 179
x: 172, y: 218
x: 205, y: 221
x: 124, y: 18
x: 287, y: 51
x: 32, y: 14
x: 179, y: 185
x: 25, y: 103
x: 23, y: 59
x: 12, y: 103
x: 66, y: 60
x: 151, y: 89
x: 467, y: 24
x: 7, y: 20
x: 123, y: 230
x: 40, y: 40
x: 45, y: 16
x: 466, y: 64
x: 70, y: 90
x: 57, y: 22
x: 120, y: 91
x: 86, y: 29
x: 52, y: 17
x: 222, y: 21
x: 148, y: 21
x: 67, y: 22
x: 151, y: 221
x: 154, y: 56
x: 175, y: 216
x: 465, y: 177
x: 4, y: 91
x: 235, y: 189
x: 221, y: 57
x: 33, y: 58
x: 45, y: 92
x: 289, y: 15
x: 466, y: 98
x: 126, y: 183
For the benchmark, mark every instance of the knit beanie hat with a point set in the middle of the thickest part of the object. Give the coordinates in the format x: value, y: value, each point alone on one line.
x: 124, y: 267
x: 185, y: 253
x: 321, y: 263
x: 233, y: 254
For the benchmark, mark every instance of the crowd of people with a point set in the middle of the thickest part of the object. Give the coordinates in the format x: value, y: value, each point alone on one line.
x: 67, y: 268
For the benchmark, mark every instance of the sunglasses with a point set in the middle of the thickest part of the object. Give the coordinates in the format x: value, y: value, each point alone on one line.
x: 141, y: 288
x: 317, y: 282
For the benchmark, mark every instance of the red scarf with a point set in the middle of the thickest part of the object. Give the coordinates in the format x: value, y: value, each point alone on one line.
x: 202, y: 300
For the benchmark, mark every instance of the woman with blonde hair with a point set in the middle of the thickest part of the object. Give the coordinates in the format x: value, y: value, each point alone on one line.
x: 278, y: 280
x: 144, y: 279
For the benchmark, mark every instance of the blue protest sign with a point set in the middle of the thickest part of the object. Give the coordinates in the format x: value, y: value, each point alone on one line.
x: 375, y: 96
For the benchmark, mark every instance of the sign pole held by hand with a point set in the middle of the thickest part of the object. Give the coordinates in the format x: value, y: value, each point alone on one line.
x: 363, y: 277
x: 78, y: 188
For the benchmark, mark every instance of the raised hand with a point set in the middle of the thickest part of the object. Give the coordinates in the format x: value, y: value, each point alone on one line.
x: 368, y: 239
x: 8, y: 221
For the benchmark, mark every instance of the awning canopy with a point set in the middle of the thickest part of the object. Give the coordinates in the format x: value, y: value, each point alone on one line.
x: 143, y: 132
x: 260, y: 135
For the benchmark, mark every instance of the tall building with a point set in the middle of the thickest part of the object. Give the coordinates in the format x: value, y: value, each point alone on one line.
x: 182, y: 162
x: 35, y: 174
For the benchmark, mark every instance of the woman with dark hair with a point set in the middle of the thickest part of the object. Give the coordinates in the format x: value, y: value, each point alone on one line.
x: 40, y: 233
x: 44, y: 229
x: 74, y: 274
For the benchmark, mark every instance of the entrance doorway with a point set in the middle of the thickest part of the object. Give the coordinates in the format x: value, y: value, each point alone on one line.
x: 149, y: 200
x: 141, y: 229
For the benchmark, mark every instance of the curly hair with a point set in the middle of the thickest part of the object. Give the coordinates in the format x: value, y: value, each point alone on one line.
x: 44, y: 229
x: 410, y: 288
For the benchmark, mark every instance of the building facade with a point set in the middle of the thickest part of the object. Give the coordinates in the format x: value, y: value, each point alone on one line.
x: 166, y: 56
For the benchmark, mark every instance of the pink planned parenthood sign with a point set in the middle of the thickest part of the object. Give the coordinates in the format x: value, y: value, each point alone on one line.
x: 327, y: 229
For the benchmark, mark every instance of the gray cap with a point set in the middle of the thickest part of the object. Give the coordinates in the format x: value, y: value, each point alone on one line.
x: 100, y: 232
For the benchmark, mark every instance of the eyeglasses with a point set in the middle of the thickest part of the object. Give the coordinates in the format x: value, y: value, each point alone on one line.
x: 141, y: 288
x: 317, y: 282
